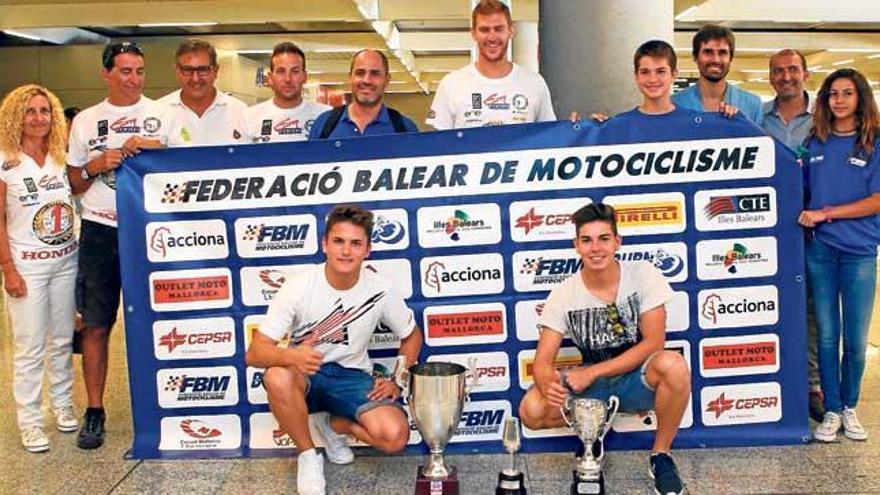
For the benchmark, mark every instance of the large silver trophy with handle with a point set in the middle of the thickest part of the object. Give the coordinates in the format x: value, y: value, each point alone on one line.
x: 436, y: 395
x: 590, y: 419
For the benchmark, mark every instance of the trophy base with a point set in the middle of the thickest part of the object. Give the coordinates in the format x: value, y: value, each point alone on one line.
x: 580, y: 486
x: 511, y: 483
x: 444, y: 486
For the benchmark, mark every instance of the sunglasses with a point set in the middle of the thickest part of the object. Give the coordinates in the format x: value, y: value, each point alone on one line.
x: 614, y: 319
x: 114, y: 49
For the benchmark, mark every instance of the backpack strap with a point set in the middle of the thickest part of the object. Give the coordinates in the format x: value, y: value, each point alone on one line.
x: 396, y: 120
x: 331, y: 122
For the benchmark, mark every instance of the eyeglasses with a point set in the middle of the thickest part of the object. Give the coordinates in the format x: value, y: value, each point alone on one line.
x: 201, y: 70
x: 614, y: 319
x: 114, y: 49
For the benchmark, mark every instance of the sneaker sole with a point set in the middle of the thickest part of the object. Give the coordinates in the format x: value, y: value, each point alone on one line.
x: 337, y: 461
x: 856, y: 437
x: 37, y: 450
x: 89, y: 445
x: 67, y: 429
x: 657, y: 492
x: 824, y: 439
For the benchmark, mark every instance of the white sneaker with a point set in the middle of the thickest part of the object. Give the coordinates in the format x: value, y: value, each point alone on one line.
x: 335, y: 445
x: 34, y: 439
x: 65, y: 419
x: 310, y: 473
x: 852, y: 428
x: 827, y: 430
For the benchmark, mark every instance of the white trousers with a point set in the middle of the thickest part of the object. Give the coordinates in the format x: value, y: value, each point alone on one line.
x: 42, y: 326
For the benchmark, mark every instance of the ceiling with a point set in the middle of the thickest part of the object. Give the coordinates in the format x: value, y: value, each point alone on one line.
x: 425, y: 39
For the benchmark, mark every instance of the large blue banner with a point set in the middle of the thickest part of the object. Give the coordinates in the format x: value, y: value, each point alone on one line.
x: 474, y: 227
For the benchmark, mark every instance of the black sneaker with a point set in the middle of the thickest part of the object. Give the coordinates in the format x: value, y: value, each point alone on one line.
x: 91, y: 434
x: 665, y: 475
x: 817, y: 406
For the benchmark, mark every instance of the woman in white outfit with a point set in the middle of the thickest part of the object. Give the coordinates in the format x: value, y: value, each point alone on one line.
x: 38, y: 252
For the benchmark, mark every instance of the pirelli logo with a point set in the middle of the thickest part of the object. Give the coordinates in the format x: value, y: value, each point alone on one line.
x: 668, y: 213
x: 661, y: 213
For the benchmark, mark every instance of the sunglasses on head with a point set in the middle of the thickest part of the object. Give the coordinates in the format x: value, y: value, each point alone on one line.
x: 114, y: 49
x: 614, y: 318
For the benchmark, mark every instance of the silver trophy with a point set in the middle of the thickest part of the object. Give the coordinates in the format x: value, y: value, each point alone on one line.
x: 590, y: 419
x: 436, y: 396
x: 511, y: 481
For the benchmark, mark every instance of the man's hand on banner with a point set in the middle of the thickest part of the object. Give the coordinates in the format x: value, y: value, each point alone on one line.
x: 135, y: 144
x: 727, y: 109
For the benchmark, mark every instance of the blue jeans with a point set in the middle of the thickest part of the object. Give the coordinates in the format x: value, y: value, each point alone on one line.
x: 838, y: 277
x: 342, y: 392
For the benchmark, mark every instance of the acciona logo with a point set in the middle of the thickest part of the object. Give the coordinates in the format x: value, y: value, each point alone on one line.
x: 184, y: 241
x: 736, y: 258
x: 219, y: 432
x: 741, y: 404
x: 194, y: 339
x: 444, y: 276
x: 737, y: 307
x: 288, y: 235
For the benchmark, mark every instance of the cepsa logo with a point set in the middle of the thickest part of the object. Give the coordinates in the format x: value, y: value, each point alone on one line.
x: 740, y: 258
x: 476, y: 274
x: 641, y: 214
x: 259, y: 284
x: 491, y: 370
x: 179, y: 290
x: 670, y: 258
x: 194, y: 339
x: 542, y: 270
x: 184, y: 241
x: 267, y: 434
x: 197, y: 387
x: 288, y: 235
x: 460, y: 225
x: 741, y: 404
x: 544, y: 220
x: 465, y: 324
x: 741, y: 355
x: 730, y: 209
x: 390, y: 229
x: 482, y: 421
x: 219, y: 432
x: 527, y: 314
x: 567, y: 358
x: 738, y: 306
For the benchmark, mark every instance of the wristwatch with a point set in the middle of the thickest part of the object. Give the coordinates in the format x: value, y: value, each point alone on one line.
x: 84, y: 173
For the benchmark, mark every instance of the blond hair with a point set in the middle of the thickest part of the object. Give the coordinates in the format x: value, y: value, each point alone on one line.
x: 12, y: 113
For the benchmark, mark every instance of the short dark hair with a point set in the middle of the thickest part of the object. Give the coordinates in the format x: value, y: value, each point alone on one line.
x: 489, y: 7
x: 713, y: 32
x: 655, y: 49
x: 71, y: 112
x: 195, y: 45
x: 111, y: 50
x: 787, y: 52
x: 381, y: 56
x: 286, y: 47
x: 352, y: 214
x: 595, y: 212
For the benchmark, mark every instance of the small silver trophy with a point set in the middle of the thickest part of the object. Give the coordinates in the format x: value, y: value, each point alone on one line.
x: 511, y: 480
x: 590, y: 419
x: 436, y: 395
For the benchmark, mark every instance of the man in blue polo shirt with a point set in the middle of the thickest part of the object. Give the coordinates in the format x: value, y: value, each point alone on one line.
x: 713, y: 48
x: 366, y: 115
x: 789, y: 116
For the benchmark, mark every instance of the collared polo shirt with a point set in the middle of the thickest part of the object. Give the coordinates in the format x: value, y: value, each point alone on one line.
x: 747, y: 103
x: 793, y: 133
x: 222, y: 123
x: 346, y: 127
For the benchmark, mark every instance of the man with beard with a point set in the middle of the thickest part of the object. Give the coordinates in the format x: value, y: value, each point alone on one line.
x: 713, y: 49
x: 203, y: 115
x: 493, y: 90
x: 366, y: 115
x: 286, y: 117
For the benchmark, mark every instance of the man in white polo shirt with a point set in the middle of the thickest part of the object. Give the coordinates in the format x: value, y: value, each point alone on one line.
x: 101, y: 137
x: 286, y: 117
x: 493, y: 90
x: 203, y: 115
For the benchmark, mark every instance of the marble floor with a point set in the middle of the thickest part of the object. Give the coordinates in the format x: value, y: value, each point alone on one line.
x: 845, y: 467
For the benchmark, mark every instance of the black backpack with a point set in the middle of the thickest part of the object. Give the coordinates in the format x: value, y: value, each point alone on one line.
x: 336, y: 114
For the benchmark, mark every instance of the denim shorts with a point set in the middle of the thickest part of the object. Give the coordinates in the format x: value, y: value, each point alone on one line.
x: 342, y: 392
x: 631, y: 389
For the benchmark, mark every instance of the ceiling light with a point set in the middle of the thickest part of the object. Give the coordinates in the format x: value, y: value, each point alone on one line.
x: 253, y: 52
x: 19, y: 34
x: 815, y: 67
x: 843, y: 62
x: 876, y: 55
x: 852, y: 50
x: 176, y: 24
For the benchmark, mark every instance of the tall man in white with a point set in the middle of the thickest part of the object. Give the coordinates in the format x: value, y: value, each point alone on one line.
x: 101, y: 137
x: 493, y: 90
x: 203, y: 115
x: 330, y: 312
x: 286, y: 117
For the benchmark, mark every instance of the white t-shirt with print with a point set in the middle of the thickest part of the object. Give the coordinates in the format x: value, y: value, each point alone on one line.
x: 466, y: 98
x: 307, y: 307
x: 39, y: 212
x: 222, y: 123
x: 105, y: 126
x: 266, y: 122
x: 572, y: 310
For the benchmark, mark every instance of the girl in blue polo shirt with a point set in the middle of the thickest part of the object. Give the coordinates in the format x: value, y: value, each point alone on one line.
x: 843, y: 184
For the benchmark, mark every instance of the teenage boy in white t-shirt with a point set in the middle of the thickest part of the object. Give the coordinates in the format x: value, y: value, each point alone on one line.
x: 286, y: 117
x: 102, y: 137
x: 614, y: 313
x: 330, y: 313
x: 493, y: 90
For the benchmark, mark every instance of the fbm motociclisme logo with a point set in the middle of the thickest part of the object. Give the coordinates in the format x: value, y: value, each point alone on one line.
x: 197, y: 387
x: 288, y: 235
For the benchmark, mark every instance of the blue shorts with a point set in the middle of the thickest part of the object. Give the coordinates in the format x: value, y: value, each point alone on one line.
x: 631, y: 388
x: 342, y: 392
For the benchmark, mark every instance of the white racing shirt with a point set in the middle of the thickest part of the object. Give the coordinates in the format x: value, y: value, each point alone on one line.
x: 266, y: 122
